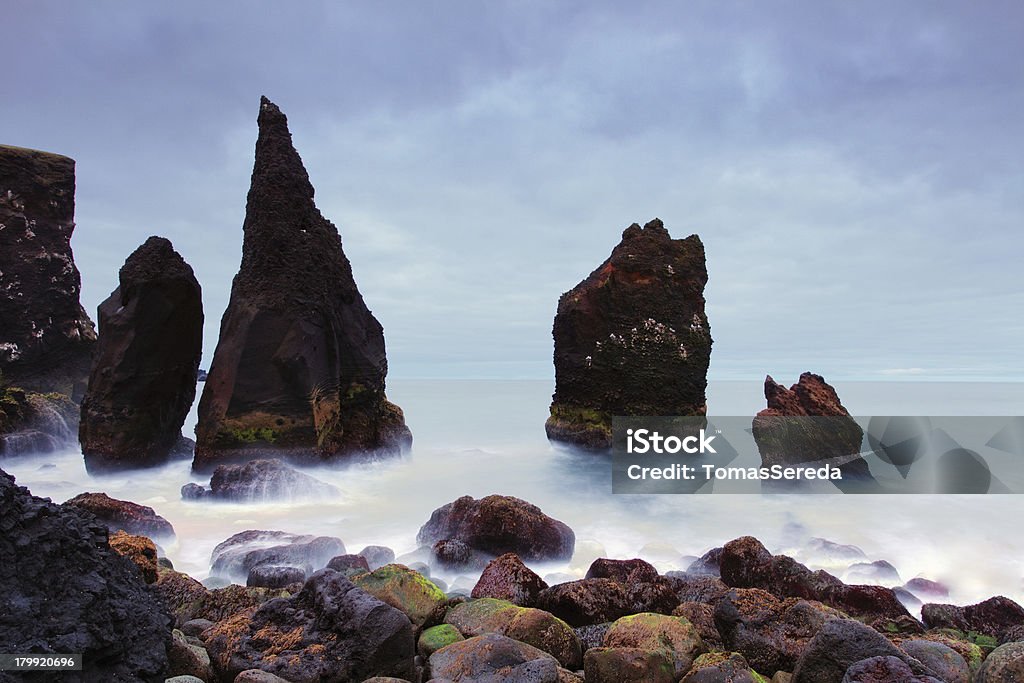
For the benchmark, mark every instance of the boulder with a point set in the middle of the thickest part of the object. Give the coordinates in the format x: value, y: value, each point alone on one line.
x: 879, y: 571
x: 771, y: 633
x: 300, y: 365
x: 940, y: 659
x: 627, y: 665
x: 234, y: 557
x: 1003, y: 665
x: 330, y: 630
x: 452, y: 553
x: 436, y: 637
x: 507, y: 578
x: 269, y: 576
x: 402, y: 588
x: 260, y: 481
x: 839, y: 644
x: 632, y: 338
x: 493, y: 658
x: 500, y: 524
x: 186, y: 659
x: 188, y: 600
x: 377, y: 555
x: 349, y: 565
x: 123, y: 515
x: 674, y: 636
x: 807, y: 424
x: 143, y: 378
x: 623, y: 571
x: 587, y: 601
x: 707, y: 564
x: 993, y: 617
x: 140, y: 550
x: 884, y: 670
x: 526, y: 624
x: 65, y: 590
x: 927, y: 589
x: 257, y: 676
x: 46, y: 337
x: 721, y: 667
x: 703, y: 619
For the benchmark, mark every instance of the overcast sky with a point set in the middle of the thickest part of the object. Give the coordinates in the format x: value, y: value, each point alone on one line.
x: 855, y: 169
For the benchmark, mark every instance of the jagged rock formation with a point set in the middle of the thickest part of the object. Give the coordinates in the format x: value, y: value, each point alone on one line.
x: 300, y: 366
x: 143, y: 378
x: 46, y: 337
x: 65, y: 590
x: 633, y: 338
x: 807, y: 423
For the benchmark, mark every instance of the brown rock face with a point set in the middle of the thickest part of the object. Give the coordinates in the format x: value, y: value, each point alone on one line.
x: 807, y: 423
x: 46, y: 337
x: 300, y: 365
x: 143, y: 379
x: 633, y: 338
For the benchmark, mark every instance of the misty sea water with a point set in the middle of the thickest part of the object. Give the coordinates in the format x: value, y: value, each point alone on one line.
x: 478, y: 437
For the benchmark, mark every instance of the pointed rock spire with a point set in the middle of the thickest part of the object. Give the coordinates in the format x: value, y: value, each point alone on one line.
x: 300, y: 366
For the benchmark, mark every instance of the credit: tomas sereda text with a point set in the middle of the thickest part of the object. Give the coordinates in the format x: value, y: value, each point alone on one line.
x: 840, y: 454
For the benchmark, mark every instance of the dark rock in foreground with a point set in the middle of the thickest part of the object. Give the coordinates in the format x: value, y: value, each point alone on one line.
x: 143, y: 378
x: 46, y: 337
x: 632, y: 339
x: 259, y: 481
x: 123, y: 515
x: 300, y: 365
x: 493, y: 657
x: 807, y: 424
x: 507, y: 578
x: 64, y: 590
x: 331, y: 630
x: 841, y: 643
x: 500, y: 524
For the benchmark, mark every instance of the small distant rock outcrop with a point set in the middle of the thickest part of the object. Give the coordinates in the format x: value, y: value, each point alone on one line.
x: 259, y: 481
x: 498, y: 525
x: 46, y: 337
x: 123, y: 515
x: 300, y: 366
x: 143, y: 378
x: 632, y: 339
x: 235, y: 557
x: 785, y: 436
x: 35, y: 423
x: 65, y: 590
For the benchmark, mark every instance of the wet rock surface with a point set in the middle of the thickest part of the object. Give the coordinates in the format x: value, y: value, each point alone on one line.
x: 143, y: 378
x: 237, y: 555
x: 300, y: 366
x: 123, y: 515
x: 507, y: 578
x: 46, y: 337
x: 66, y: 591
x: 260, y: 481
x: 500, y: 524
x: 632, y: 338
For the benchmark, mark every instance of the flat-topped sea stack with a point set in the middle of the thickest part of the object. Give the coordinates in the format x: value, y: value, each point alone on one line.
x: 807, y: 424
x: 46, y: 337
x: 632, y: 339
x: 300, y: 366
x: 143, y: 379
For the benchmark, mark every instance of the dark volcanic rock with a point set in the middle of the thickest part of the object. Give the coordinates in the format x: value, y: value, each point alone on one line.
x: 63, y: 589
x: 46, y: 337
x: 329, y: 631
x: 884, y: 670
x: 841, y: 643
x: 236, y: 556
x: 123, y: 515
x: 507, y: 578
x: 1004, y: 665
x: 623, y: 571
x: 300, y: 365
x: 746, y: 563
x: 786, y: 436
x: 35, y: 423
x: 143, y: 378
x: 633, y: 338
x: 500, y: 524
x: 491, y: 658
x: 585, y: 602
x: 994, y: 617
x: 259, y: 481
x: 269, y: 576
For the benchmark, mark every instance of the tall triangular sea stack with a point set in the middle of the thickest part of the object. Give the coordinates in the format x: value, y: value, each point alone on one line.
x: 300, y: 365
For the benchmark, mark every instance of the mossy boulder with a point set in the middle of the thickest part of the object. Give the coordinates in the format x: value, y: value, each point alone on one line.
x: 676, y: 637
x: 722, y: 667
x: 409, y: 591
x: 1005, y: 664
x: 140, y: 550
x: 627, y: 665
x: 436, y: 637
x: 494, y: 657
x: 533, y: 626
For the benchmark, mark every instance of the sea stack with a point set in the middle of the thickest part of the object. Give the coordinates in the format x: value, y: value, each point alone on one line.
x: 143, y: 379
x: 807, y: 423
x: 46, y: 337
x: 300, y: 366
x: 632, y: 339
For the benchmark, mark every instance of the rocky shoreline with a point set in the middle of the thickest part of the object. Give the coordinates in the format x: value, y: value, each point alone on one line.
x: 301, y: 608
